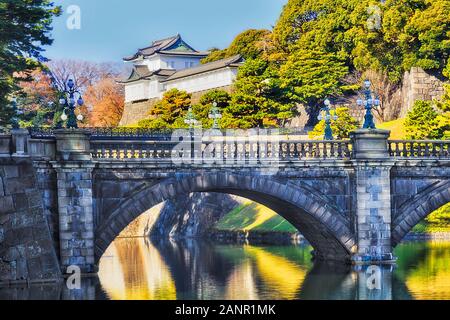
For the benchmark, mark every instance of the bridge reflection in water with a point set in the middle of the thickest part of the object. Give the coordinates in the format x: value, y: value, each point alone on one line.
x: 188, y: 270
x: 199, y: 270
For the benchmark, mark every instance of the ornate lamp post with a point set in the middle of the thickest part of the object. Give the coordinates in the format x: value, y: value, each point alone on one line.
x: 71, y: 99
x: 215, y: 115
x: 369, y: 102
x: 327, y: 118
x: 190, y: 119
x: 191, y: 122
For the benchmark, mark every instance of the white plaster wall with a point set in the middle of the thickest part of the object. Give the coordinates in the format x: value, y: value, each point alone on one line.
x: 135, y: 91
x: 157, y: 62
x: 179, y: 63
x: 205, y: 81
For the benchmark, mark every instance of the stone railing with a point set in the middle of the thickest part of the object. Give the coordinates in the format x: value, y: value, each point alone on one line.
x: 123, y: 144
x: 222, y: 150
x: 128, y: 150
x: 425, y: 149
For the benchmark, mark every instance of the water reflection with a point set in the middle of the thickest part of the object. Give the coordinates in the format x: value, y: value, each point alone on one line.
x: 141, y: 269
x: 425, y: 269
x: 201, y: 270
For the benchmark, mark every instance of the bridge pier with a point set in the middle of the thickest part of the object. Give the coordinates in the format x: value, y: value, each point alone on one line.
x: 75, y: 203
x: 373, y: 197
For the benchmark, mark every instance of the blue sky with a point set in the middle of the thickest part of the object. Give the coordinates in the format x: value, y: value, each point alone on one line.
x: 112, y: 29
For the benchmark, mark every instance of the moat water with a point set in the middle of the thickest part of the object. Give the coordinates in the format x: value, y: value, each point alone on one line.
x: 141, y: 269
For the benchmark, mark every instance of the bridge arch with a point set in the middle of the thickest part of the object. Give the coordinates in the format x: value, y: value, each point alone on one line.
x: 327, y: 229
x: 418, y: 208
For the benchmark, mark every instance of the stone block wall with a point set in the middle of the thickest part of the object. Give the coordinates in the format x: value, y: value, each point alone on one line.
x: 373, y: 212
x: 76, y: 222
x: 46, y: 180
x: 136, y: 111
x: 27, y: 251
x: 419, y: 85
x: 193, y: 215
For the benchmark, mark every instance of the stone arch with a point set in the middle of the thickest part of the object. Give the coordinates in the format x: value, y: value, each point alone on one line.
x: 418, y: 208
x: 327, y: 229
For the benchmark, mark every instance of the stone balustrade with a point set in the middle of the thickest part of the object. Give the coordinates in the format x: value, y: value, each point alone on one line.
x: 420, y: 149
x: 220, y: 150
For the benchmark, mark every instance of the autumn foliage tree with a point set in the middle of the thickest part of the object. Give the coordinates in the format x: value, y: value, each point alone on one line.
x: 37, y: 99
x: 104, y: 101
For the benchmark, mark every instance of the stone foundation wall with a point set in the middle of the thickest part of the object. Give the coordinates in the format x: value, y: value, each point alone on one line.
x: 27, y: 251
x: 137, y: 111
x: 419, y: 85
x: 193, y: 215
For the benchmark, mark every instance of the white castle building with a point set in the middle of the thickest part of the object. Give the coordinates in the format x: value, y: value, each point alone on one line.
x: 172, y: 63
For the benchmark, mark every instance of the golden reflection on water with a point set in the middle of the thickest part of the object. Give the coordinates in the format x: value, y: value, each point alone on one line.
x: 429, y: 275
x: 133, y: 269
x: 241, y: 285
x: 283, y: 277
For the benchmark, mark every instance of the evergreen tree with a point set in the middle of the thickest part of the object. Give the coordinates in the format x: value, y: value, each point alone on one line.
x: 310, y: 77
x: 203, y: 109
x: 249, y: 44
x: 391, y: 37
x: 24, y: 29
x: 427, y: 120
x: 421, y: 30
x: 259, y: 100
x: 169, y: 112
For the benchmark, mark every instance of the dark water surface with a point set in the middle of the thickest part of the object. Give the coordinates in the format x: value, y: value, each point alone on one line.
x: 153, y: 270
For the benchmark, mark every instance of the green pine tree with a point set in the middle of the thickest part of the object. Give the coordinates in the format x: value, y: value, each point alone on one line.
x: 311, y: 76
x: 24, y: 29
x: 259, y: 100
x: 169, y: 112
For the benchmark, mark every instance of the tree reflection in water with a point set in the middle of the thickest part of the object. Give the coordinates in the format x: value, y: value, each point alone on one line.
x: 153, y: 270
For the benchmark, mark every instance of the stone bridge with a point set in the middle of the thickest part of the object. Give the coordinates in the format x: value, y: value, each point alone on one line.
x: 66, y: 195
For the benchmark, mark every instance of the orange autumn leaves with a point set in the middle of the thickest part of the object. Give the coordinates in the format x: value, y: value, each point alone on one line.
x: 104, y: 102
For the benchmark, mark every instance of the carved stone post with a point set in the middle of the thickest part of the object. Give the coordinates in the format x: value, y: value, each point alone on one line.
x: 5, y: 145
x: 20, y: 141
x: 373, y: 196
x: 76, y: 223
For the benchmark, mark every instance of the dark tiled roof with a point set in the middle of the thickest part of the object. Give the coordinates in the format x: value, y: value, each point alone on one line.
x: 234, y: 61
x: 184, y: 53
x: 172, y: 45
x: 142, y: 72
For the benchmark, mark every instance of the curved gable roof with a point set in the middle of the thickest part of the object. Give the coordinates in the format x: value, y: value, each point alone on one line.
x: 171, y: 45
x: 143, y: 73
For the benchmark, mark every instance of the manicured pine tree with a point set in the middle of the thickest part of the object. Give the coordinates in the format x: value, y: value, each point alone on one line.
x: 258, y: 99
